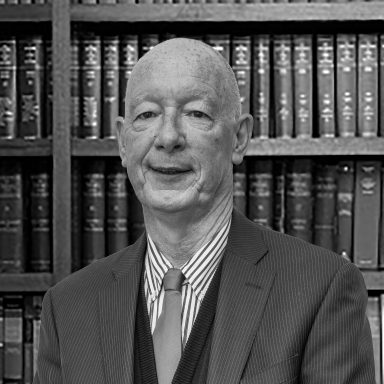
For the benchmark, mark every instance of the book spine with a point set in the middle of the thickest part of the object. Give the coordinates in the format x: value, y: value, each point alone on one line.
x: 368, y: 80
x: 325, y: 205
x: 40, y: 214
x: 76, y: 205
x: 37, y: 305
x: 75, y: 87
x: 117, y: 207
x: 93, y: 212
x: 110, y: 82
x: 381, y: 251
x: 148, y: 41
x: 13, y: 338
x: 11, y: 217
x: 373, y: 315
x: 240, y: 187
x: 346, y: 81
x: 241, y: 65
x: 221, y: 44
x: 279, y: 172
x: 367, y: 212
x: 90, y: 55
x: 28, y: 339
x: 344, y: 208
x: 8, y: 88
x: 299, y: 215
x: 381, y: 89
x: 382, y: 332
x: 260, y: 192
x: 48, y: 83
x: 128, y: 57
x: 30, y: 86
x: 326, y: 85
x: 136, y: 218
x: 283, y: 86
x: 1, y: 339
x: 261, y: 86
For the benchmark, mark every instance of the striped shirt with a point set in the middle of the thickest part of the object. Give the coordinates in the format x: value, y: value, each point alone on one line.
x: 198, y: 272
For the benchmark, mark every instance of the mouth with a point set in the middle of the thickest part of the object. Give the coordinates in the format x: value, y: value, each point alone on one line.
x: 170, y: 170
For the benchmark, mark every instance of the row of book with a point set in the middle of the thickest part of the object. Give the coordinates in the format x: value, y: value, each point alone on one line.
x: 93, y: 2
x: 26, y: 2
x: 19, y: 337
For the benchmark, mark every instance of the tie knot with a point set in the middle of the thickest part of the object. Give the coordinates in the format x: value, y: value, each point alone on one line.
x: 173, y: 279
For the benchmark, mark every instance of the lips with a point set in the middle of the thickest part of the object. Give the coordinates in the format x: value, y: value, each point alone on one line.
x: 170, y: 170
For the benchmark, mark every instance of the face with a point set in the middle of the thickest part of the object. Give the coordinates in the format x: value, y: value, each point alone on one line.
x: 176, y: 143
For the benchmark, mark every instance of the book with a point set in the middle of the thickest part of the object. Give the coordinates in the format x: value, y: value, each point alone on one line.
x: 240, y: 187
x: 40, y: 249
x: 1, y: 339
x: 346, y: 85
x: 220, y: 43
x: 325, y: 204
x: 302, y: 81
x: 117, y: 207
x: 382, y: 333
x: 279, y: 198
x: 326, y: 85
x: 8, y: 88
x: 28, y: 314
x: 367, y: 214
x: 381, y: 236
x: 261, y: 94
x: 136, y: 219
x: 344, y: 207
x: 373, y: 315
x: 75, y: 86
x: 93, y: 212
x: 128, y: 57
x: 110, y: 81
x: 48, y: 84
x: 76, y: 210
x: 299, y: 199
x: 381, y: 88
x: 90, y: 77
x: 148, y: 41
x: 37, y: 306
x: 30, y: 82
x: 11, y: 217
x: 241, y: 65
x: 260, y: 191
x: 283, y: 86
x: 368, y: 81
x: 13, y: 338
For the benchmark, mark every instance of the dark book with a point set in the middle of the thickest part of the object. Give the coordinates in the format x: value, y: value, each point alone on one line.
x: 8, y: 88
x: 325, y: 204
x: 128, y: 57
x: 260, y: 191
x: 368, y: 85
x: 279, y: 182
x: 117, y: 206
x: 367, y: 214
x: 346, y: 85
x: 28, y: 339
x: 13, y: 339
x: 221, y: 44
x: 381, y: 236
x: 147, y: 42
x: 48, y: 83
x: 241, y: 65
x: 75, y: 86
x: 299, y: 199
x: 76, y: 210
x: 240, y: 187
x: 93, y: 213
x: 261, y: 86
x: 381, y: 92
x: 373, y: 315
x: 37, y: 305
x: 344, y: 208
x: 303, y: 80
x: 283, y: 86
x: 11, y: 217
x: 382, y: 332
x: 30, y: 62
x: 90, y: 74
x: 136, y: 219
x: 326, y: 85
x: 110, y: 81
x: 1, y: 339
x: 40, y: 217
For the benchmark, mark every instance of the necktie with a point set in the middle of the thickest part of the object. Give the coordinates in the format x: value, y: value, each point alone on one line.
x: 167, y: 334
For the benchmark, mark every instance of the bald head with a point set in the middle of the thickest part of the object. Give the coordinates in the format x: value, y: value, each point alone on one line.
x: 187, y: 56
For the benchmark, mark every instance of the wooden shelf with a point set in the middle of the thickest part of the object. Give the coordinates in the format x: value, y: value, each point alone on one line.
x: 372, y: 11
x: 374, y: 280
x: 22, y: 147
x: 25, y: 282
x: 95, y: 147
x: 30, y: 13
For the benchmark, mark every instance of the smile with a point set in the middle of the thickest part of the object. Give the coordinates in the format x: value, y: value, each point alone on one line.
x: 170, y: 170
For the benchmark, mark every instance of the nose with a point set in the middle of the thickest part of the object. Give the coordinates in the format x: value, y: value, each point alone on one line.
x: 169, y: 136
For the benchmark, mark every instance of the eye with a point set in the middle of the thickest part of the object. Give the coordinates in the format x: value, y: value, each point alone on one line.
x: 146, y: 115
x: 199, y: 115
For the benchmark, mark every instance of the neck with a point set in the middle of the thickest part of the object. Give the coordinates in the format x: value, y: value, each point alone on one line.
x: 179, y: 235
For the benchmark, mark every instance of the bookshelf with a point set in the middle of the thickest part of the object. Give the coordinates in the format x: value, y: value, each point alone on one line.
x: 61, y: 17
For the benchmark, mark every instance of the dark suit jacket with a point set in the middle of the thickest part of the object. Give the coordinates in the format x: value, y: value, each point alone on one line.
x: 287, y: 312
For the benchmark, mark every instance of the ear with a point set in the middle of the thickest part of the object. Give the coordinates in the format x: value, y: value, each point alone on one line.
x: 120, y: 133
x: 243, y: 132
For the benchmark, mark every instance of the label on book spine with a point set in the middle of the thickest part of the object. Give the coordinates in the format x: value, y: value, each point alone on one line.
x: 346, y: 99
x: 75, y: 87
x: 261, y: 86
x: 8, y: 88
x: 221, y: 44
x: 148, y: 41
x: 48, y: 82
x: 283, y: 86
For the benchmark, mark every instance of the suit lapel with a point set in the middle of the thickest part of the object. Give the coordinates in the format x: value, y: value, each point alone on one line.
x: 117, y: 309
x: 244, y: 289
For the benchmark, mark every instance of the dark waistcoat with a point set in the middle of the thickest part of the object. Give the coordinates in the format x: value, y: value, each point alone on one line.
x: 193, y: 365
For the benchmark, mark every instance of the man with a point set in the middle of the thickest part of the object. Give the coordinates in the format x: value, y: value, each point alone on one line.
x: 251, y: 305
